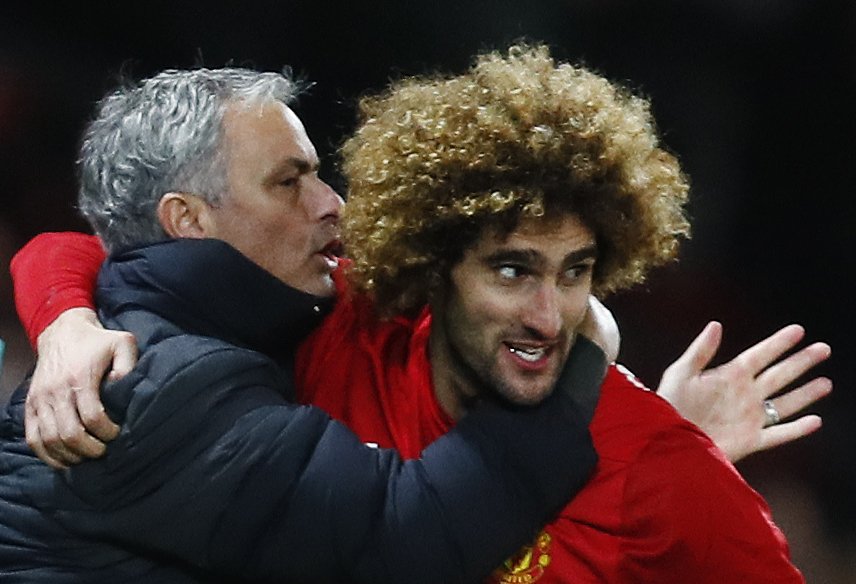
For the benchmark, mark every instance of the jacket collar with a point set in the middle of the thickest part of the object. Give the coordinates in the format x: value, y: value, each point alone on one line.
x: 207, y: 287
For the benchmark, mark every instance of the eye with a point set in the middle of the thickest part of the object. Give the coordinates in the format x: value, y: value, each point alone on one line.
x: 510, y: 271
x: 291, y: 181
x: 578, y: 271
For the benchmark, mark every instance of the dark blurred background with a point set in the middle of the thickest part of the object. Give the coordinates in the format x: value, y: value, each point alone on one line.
x: 756, y: 98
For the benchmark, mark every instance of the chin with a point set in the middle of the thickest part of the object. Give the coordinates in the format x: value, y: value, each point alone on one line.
x: 322, y: 287
x: 525, y: 396
x: 327, y: 289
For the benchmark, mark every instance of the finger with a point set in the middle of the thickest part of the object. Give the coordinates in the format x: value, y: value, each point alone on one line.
x: 31, y: 422
x: 94, y: 418
x: 700, y: 352
x: 39, y: 426
x: 72, y: 433
x: 759, y: 356
x: 599, y: 326
x: 43, y: 436
x: 62, y: 454
x: 788, y: 432
x: 80, y: 446
x: 788, y: 370
x: 33, y: 436
x: 34, y: 440
x: 800, y: 398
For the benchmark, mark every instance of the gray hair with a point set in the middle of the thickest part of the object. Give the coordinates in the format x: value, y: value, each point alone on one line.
x: 163, y: 134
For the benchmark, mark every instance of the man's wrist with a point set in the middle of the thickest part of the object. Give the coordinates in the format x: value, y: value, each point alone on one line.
x: 78, y: 315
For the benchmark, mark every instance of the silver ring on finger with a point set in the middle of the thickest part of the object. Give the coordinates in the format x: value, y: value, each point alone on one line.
x: 771, y: 414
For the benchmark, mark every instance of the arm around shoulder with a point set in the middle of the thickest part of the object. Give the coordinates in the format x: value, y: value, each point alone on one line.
x: 246, y: 483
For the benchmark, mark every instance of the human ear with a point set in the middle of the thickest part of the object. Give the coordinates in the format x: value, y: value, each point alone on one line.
x: 183, y: 215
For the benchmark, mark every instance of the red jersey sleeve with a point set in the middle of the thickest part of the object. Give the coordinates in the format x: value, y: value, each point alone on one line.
x: 696, y: 520
x: 52, y: 273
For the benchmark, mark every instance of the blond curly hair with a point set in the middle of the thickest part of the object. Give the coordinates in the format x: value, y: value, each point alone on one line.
x: 438, y: 160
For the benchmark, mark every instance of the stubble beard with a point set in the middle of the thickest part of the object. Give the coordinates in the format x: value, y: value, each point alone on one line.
x: 479, y: 378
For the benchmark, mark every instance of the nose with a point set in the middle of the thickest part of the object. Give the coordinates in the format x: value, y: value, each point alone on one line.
x: 323, y: 203
x: 542, y: 313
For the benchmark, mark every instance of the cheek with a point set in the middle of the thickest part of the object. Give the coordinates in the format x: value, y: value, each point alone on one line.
x: 244, y: 224
x: 491, y: 319
x: 575, y: 308
x: 284, y: 236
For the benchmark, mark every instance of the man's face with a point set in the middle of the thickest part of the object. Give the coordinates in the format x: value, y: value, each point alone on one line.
x: 278, y: 212
x: 509, y: 318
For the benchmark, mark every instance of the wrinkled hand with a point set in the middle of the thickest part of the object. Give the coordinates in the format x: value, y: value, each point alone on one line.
x: 727, y: 401
x: 65, y: 420
x: 599, y: 326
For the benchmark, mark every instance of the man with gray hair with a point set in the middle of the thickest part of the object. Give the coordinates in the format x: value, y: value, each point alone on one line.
x: 203, y: 186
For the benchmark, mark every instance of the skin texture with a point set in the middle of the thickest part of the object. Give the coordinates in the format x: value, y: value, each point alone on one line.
x: 278, y: 212
x: 511, y: 298
x: 725, y: 401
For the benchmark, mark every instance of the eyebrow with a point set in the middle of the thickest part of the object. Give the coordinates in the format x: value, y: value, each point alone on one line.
x: 531, y: 256
x: 584, y: 253
x: 301, y: 165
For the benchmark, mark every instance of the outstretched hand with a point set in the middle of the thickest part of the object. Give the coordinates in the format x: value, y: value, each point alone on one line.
x: 727, y: 401
x: 65, y: 420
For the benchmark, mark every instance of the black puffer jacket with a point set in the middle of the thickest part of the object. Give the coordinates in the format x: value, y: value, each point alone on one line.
x: 218, y: 475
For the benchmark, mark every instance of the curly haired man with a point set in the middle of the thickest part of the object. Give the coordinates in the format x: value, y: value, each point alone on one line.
x: 483, y: 210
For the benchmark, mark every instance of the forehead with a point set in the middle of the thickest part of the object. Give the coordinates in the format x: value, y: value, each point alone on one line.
x: 267, y: 131
x: 552, y: 236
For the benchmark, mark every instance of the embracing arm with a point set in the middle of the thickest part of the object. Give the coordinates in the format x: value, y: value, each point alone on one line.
x: 298, y: 497
x: 54, y: 277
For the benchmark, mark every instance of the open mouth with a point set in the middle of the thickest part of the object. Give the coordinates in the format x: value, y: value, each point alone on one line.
x: 528, y: 354
x: 331, y: 252
x: 332, y: 249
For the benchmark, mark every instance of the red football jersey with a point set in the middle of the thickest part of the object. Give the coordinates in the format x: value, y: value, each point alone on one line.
x: 664, y: 505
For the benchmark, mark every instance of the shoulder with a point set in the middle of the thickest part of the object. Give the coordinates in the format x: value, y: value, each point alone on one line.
x: 166, y: 350
x: 190, y: 376
x: 686, y: 513
x: 630, y: 417
x: 187, y: 393
x: 689, y: 512
x: 635, y: 425
x: 205, y: 358
x: 682, y: 501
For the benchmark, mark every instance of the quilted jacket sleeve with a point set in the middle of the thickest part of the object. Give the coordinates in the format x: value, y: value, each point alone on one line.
x: 214, y: 467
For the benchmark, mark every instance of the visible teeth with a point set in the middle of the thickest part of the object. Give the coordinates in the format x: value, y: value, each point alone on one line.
x: 530, y: 355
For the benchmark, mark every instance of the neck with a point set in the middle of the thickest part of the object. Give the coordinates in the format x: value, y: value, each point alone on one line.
x: 452, y: 389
